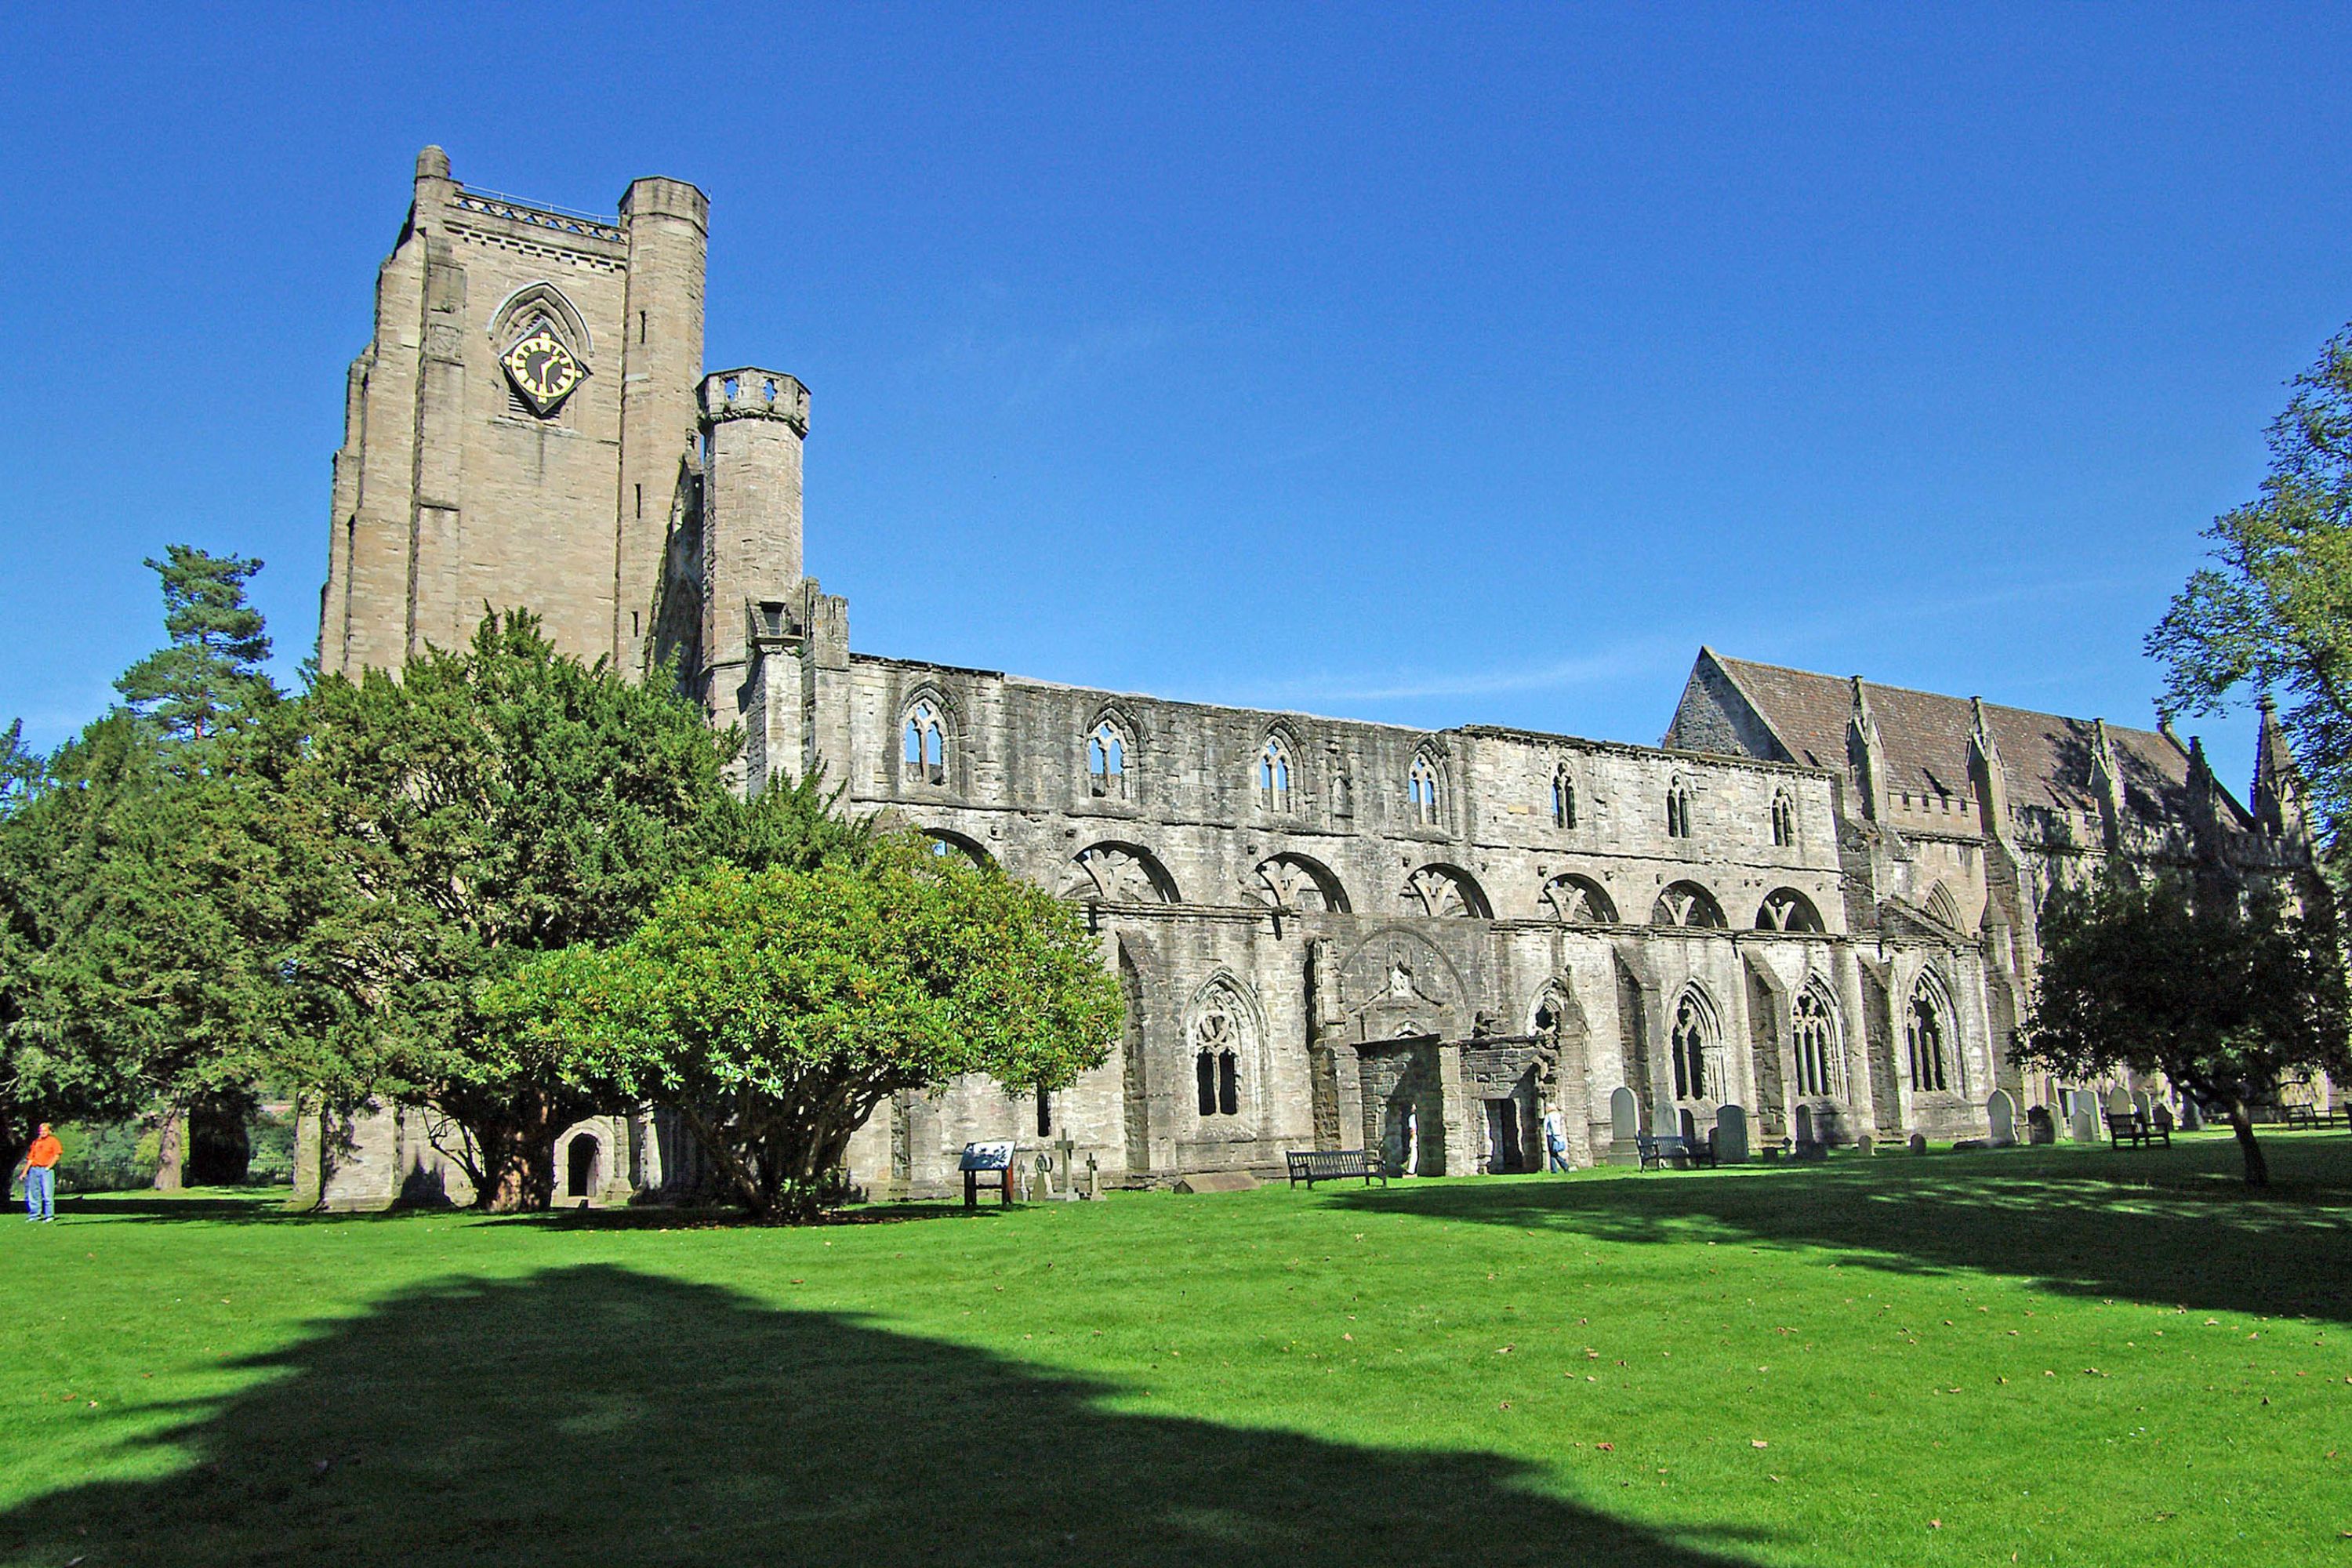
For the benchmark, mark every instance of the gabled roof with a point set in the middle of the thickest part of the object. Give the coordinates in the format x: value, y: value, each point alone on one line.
x: 2046, y: 757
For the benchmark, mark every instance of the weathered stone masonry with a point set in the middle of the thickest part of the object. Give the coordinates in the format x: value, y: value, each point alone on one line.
x: 1814, y: 903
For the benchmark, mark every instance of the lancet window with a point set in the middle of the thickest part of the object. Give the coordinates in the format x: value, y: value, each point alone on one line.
x: 1274, y: 775
x: 1784, y: 819
x: 1423, y: 789
x: 1678, y: 810
x: 1693, y: 1046
x: 923, y: 744
x: 1819, y: 1049
x: 1927, y: 1032
x: 1107, y: 758
x: 1563, y: 797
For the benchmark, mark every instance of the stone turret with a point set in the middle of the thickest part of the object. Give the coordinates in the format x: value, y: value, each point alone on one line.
x: 2278, y: 783
x: 1866, y: 755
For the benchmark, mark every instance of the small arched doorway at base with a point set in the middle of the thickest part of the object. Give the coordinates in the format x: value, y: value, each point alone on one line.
x: 580, y: 1167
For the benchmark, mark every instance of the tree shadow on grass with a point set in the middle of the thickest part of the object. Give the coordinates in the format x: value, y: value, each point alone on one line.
x: 594, y: 1414
x: 2173, y: 1226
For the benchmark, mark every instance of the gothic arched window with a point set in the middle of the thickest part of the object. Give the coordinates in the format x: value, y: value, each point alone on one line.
x: 1692, y: 1046
x: 1784, y: 819
x: 1563, y: 797
x: 1785, y: 909
x: 1274, y: 775
x: 923, y: 744
x: 1927, y: 1032
x: 1421, y: 787
x: 1107, y: 756
x: 1221, y: 1047
x: 1820, y: 1049
x: 1578, y: 900
x: 1686, y: 904
x: 1678, y: 810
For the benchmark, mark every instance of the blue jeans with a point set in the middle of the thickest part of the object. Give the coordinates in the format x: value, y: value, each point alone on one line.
x: 40, y: 1185
x: 1559, y: 1153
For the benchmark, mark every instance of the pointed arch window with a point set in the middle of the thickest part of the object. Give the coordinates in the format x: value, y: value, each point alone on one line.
x: 923, y: 744
x: 1563, y: 797
x: 1678, y: 810
x: 1275, y: 771
x: 1928, y: 1034
x: 1694, y: 1046
x: 1784, y: 820
x: 1221, y: 1029
x: 1107, y: 751
x: 1817, y: 1041
x: 1423, y: 789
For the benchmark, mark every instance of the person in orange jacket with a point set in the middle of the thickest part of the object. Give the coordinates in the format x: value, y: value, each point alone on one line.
x: 41, y: 1176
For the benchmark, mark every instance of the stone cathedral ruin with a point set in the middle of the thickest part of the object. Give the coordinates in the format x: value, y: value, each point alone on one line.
x: 1808, y: 913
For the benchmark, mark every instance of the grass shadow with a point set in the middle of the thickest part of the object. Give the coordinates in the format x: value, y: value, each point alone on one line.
x: 594, y: 1414
x: 2174, y: 1226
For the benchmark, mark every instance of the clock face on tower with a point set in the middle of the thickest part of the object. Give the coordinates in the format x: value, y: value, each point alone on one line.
x: 542, y: 370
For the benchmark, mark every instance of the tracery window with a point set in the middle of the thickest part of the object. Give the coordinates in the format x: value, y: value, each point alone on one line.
x: 923, y: 748
x: 1274, y: 775
x: 1422, y: 789
x: 1678, y: 810
x: 1220, y: 1033
x: 1107, y: 754
x: 1785, y: 909
x: 1578, y: 902
x: 1446, y: 891
x: 1692, y: 1045
x: 1784, y: 819
x: 1819, y: 1049
x: 1686, y: 904
x: 1563, y: 798
x: 1927, y: 1032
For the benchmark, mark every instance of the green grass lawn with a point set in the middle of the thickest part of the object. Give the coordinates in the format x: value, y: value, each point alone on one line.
x: 2054, y: 1356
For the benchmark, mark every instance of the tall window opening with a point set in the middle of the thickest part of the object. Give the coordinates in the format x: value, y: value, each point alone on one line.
x: 1274, y: 775
x: 1678, y: 810
x: 1045, y: 1112
x: 1928, y: 1034
x: 1218, y: 1038
x: 1563, y: 798
x: 1691, y: 1045
x: 1106, y: 752
x: 1422, y: 789
x: 923, y: 749
x: 1784, y: 819
x: 1813, y: 1025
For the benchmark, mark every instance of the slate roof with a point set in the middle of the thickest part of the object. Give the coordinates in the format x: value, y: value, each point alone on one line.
x: 2045, y: 756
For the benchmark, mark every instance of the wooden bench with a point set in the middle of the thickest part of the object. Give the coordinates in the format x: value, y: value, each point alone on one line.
x: 2298, y: 1117
x: 1658, y: 1154
x: 1700, y: 1150
x: 2134, y: 1129
x: 1313, y: 1165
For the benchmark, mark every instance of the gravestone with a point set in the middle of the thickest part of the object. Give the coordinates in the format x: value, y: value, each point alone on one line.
x: 1624, y: 1126
x: 2041, y: 1127
x: 1218, y: 1182
x: 1807, y: 1147
x: 1918, y: 1142
x: 2083, y: 1127
x: 2192, y: 1115
x: 1865, y: 1145
x: 2000, y: 1118
x: 2145, y: 1103
x: 2163, y: 1119
x: 2119, y: 1100
x: 1730, y: 1135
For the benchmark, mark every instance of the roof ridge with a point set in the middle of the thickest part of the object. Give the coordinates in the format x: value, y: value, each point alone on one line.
x: 1726, y: 661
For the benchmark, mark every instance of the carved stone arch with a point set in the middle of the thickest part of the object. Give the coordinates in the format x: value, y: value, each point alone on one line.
x: 1225, y: 1037
x: 1111, y: 770
x: 1577, y: 901
x: 1395, y: 982
x: 1942, y: 906
x: 1817, y: 1038
x: 1687, y: 904
x: 1111, y: 872
x: 1930, y: 1023
x: 921, y: 772
x: 1298, y: 883
x: 948, y: 841
x: 1429, y: 783
x: 1445, y: 891
x: 1278, y: 771
x: 534, y: 302
x: 1786, y: 909
x: 1694, y: 1044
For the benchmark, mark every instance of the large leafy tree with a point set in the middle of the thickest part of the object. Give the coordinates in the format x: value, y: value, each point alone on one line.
x: 775, y: 1011
x: 485, y: 805
x: 2273, y: 610
x: 2229, y: 1000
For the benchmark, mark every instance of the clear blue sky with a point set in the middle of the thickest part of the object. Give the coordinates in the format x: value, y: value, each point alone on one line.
x: 1437, y: 365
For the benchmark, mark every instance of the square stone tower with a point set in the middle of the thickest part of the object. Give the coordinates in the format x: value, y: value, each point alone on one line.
x: 522, y: 429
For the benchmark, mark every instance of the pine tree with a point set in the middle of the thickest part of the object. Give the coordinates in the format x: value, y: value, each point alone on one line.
x: 211, y: 676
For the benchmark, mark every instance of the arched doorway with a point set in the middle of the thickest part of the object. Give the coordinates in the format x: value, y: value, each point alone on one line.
x: 581, y: 1162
